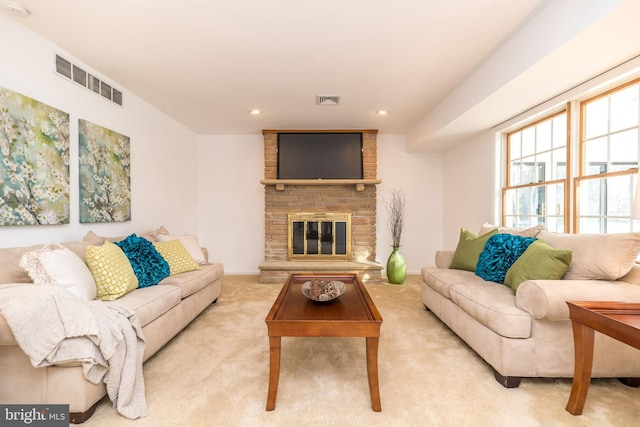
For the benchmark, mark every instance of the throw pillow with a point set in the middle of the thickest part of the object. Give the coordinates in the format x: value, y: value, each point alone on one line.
x: 111, y: 270
x: 524, y: 232
x: 190, y: 243
x: 597, y: 256
x: 147, y: 263
x: 177, y: 256
x: 539, y: 261
x: 469, y: 249
x: 54, y: 264
x: 499, y: 254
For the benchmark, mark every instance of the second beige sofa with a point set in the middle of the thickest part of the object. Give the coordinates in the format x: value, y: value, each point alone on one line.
x: 529, y: 333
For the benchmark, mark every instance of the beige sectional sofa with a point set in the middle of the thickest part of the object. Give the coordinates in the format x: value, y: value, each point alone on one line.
x: 527, y: 333
x: 163, y: 311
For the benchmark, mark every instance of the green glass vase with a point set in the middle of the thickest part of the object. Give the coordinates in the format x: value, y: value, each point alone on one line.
x: 396, y: 267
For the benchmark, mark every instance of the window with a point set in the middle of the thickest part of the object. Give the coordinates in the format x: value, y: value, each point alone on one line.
x: 608, y: 160
x: 541, y: 186
x: 536, y: 178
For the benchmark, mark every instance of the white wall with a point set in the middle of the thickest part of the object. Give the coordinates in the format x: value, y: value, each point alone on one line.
x: 232, y: 200
x: 231, y: 208
x: 468, y: 187
x: 419, y: 176
x: 164, y: 178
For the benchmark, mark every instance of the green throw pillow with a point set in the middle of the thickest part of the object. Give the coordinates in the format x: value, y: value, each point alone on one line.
x: 469, y: 249
x: 539, y: 261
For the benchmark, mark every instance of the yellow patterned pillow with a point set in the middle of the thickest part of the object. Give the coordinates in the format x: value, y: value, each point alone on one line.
x: 176, y: 256
x: 111, y: 270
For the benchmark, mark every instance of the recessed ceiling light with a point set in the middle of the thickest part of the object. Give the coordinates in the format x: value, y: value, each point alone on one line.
x: 255, y: 112
x: 382, y: 112
x: 17, y: 8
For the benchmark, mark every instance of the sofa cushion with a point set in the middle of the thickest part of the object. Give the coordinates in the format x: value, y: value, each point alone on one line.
x: 539, y: 261
x: 111, y: 270
x: 151, y: 302
x: 192, y: 281
x: 468, y: 250
x: 597, y: 256
x: 55, y: 265
x: 493, y: 305
x: 177, y: 256
x: 499, y: 254
x: 11, y: 272
x: 441, y: 279
x: 147, y: 263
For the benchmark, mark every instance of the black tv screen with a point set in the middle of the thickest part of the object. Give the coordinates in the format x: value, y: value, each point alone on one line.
x: 320, y: 156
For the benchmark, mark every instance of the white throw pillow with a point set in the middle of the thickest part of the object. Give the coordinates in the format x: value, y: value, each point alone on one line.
x: 524, y: 232
x: 596, y: 256
x: 53, y: 264
x: 190, y: 242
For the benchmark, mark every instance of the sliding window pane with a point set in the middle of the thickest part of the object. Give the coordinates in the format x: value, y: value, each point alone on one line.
x: 597, y: 118
x: 624, y: 109
x: 596, y: 154
x: 624, y: 150
x: 559, y: 163
x: 543, y: 136
x: 515, y: 149
x: 560, y: 131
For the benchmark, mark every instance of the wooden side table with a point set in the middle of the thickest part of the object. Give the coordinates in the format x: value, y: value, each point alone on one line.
x: 615, y: 319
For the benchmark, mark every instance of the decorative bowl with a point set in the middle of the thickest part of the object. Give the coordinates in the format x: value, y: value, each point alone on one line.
x: 323, y: 290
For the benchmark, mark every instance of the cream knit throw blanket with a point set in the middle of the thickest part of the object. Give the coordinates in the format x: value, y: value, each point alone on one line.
x: 53, y: 326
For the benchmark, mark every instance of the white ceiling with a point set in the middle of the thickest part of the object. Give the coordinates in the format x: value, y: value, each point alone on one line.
x: 207, y: 63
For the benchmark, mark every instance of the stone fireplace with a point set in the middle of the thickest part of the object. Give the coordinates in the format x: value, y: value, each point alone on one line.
x: 352, y: 198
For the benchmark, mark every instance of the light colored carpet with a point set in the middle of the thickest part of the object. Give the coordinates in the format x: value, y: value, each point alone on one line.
x: 215, y: 374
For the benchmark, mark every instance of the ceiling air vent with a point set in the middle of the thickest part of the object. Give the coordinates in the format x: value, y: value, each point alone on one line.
x: 327, y: 99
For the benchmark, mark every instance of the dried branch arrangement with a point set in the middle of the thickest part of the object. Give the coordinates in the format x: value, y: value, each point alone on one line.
x: 397, y: 208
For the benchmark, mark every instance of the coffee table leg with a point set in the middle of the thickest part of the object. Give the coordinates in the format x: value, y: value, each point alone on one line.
x: 372, y: 372
x: 274, y: 371
x: 583, y: 343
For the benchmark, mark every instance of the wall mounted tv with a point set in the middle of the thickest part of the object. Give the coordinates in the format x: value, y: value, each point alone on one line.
x: 320, y: 155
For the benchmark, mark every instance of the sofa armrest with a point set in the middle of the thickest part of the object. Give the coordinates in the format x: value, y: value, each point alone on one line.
x: 547, y: 299
x: 444, y: 258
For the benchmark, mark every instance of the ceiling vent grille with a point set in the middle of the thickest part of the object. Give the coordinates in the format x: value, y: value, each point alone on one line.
x: 327, y: 99
x: 87, y: 81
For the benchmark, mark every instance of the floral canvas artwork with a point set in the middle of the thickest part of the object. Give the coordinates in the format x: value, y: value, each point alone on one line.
x: 34, y: 171
x: 105, y: 194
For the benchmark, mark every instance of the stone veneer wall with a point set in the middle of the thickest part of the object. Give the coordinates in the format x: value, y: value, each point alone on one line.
x: 320, y: 199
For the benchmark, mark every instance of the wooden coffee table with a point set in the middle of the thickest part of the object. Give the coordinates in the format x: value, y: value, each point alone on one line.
x: 353, y: 314
x: 615, y: 319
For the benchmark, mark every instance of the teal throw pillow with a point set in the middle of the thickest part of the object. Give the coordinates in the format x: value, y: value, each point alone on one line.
x: 499, y: 254
x: 469, y: 249
x: 539, y: 261
x: 147, y: 263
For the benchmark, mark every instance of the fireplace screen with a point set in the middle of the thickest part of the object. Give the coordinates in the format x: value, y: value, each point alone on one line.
x: 319, y: 236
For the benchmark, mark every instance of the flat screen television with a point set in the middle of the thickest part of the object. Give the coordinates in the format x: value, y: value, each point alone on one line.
x: 320, y: 155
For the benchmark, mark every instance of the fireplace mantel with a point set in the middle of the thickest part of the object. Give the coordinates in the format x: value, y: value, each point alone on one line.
x: 359, y: 183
